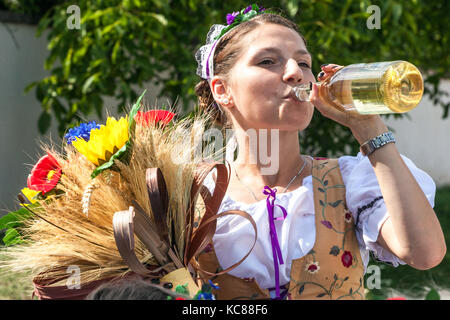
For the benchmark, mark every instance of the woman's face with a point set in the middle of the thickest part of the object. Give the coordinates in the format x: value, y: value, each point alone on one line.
x: 274, y: 58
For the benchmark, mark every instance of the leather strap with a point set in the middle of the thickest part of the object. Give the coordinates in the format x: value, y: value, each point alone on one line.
x: 136, y: 221
x: 159, y: 200
x: 126, y: 224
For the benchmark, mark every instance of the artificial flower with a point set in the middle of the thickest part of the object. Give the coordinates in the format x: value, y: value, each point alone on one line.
x: 347, y: 259
x: 82, y: 131
x: 236, y: 18
x: 154, y: 117
x: 213, y: 285
x: 249, y: 8
x: 312, y: 267
x: 30, y: 194
x: 45, y: 174
x: 231, y: 17
x: 104, y: 141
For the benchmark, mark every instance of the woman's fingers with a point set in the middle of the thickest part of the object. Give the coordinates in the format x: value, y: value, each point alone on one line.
x: 328, y: 70
x: 329, y: 67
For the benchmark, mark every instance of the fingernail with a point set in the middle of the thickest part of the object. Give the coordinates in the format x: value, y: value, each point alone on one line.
x: 324, y: 65
x: 335, y: 67
x: 321, y: 74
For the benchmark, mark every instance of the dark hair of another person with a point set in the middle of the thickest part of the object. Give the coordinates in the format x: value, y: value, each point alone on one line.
x: 135, y: 289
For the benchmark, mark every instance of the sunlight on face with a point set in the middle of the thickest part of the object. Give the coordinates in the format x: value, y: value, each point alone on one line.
x: 274, y: 59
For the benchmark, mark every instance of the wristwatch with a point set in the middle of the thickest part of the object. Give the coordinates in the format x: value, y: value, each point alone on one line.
x: 375, y: 143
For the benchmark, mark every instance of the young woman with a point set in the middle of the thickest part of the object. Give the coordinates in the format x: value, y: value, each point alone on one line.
x: 315, y: 233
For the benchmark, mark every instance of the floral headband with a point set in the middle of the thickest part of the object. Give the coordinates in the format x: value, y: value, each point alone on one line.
x: 205, y: 54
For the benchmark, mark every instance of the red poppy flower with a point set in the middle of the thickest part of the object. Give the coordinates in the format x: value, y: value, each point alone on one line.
x: 45, y: 174
x: 347, y: 259
x: 154, y: 117
x: 180, y: 298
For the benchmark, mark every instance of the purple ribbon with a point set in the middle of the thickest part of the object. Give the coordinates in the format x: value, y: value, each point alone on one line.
x: 208, y: 76
x: 276, y: 251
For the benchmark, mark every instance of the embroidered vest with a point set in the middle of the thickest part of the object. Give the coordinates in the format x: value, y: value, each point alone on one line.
x: 333, y: 269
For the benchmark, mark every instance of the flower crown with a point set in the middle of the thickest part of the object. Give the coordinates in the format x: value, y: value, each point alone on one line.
x: 205, y: 54
x: 236, y: 18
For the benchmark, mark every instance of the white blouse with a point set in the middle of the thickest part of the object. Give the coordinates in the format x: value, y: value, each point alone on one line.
x: 296, y: 233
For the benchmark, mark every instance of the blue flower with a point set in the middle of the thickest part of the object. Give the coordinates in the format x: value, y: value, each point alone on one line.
x: 213, y: 285
x: 82, y: 131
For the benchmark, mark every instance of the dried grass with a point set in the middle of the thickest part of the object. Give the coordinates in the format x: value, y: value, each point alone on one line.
x: 88, y: 240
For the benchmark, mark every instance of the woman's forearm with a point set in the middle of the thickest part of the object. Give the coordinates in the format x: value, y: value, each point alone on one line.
x: 415, y: 234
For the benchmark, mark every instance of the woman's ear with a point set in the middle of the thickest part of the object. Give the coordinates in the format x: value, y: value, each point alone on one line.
x: 220, y: 92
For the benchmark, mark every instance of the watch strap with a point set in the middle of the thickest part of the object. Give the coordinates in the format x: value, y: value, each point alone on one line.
x: 373, y: 144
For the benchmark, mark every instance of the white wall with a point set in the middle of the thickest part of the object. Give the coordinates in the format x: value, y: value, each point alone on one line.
x: 424, y: 139
x: 22, y: 62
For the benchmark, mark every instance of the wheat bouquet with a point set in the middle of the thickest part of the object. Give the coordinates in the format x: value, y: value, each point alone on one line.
x: 117, y: 202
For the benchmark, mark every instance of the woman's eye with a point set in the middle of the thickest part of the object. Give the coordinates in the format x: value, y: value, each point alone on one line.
x: 304, y: 64
x: 267, y: 61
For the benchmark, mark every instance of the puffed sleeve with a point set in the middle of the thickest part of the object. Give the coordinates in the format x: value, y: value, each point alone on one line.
x: 365, y: 202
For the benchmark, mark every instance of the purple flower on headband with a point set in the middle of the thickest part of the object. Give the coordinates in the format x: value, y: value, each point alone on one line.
x: 231, y: 17
x: 247, y: 9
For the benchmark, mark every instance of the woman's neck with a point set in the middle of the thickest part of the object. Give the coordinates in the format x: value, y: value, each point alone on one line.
x: 268, y: 157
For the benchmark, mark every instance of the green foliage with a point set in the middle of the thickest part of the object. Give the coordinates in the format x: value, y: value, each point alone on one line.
x: 418, y: 284
x: 130, y: 42
x: 12, y: 222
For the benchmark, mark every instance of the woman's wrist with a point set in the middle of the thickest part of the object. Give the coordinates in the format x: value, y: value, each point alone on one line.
x: 367, y: 129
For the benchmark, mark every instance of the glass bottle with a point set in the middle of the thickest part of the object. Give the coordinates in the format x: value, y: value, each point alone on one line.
x: 371, y: 88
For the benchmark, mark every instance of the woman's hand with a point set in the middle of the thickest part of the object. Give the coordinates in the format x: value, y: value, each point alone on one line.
x: 363, y: 127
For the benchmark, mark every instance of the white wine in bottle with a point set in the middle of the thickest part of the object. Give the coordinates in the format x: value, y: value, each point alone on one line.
x: 372, y: 88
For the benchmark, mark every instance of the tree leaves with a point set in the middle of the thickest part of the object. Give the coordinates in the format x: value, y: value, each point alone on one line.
x: 44, y: 122
x: 140, y: 42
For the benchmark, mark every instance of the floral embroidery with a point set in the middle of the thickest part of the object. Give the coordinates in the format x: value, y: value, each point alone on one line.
x: 336, y: 284
x: 347, y: 259
x: 327, y: 224
x: 348, y: 216
x: 312, y: 267
x: 335, y: 250
x: 332, y: 288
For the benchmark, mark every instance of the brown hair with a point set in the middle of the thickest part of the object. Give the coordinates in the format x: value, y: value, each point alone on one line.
x: 227, y: 52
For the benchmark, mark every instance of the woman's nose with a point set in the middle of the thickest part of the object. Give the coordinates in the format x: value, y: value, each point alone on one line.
x: 293, y: 73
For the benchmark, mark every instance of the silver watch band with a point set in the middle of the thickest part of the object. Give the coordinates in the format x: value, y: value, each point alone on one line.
x: 373, y: 144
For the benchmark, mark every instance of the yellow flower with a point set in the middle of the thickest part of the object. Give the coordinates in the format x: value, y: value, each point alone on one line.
x: 105, y: 141
x: 30, y: 194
